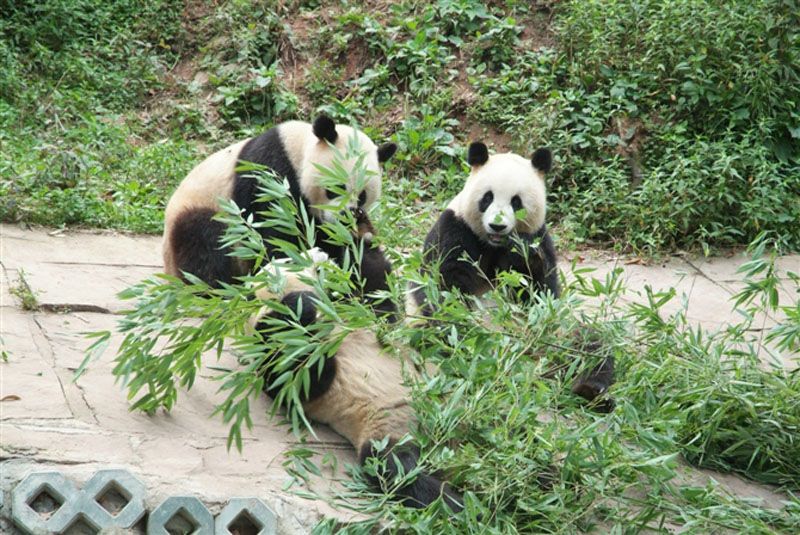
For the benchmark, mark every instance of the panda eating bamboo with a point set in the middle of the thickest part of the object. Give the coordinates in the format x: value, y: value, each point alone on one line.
x: 497, y: 223
x: 296, y: 152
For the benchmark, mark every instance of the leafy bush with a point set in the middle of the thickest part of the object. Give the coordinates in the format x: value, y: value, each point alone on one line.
x: 100, y: 55
x: 72, y: 69
x: 655, y: 112
x: 718, y: 192
x: 732, y: 66
x: 700, y: 101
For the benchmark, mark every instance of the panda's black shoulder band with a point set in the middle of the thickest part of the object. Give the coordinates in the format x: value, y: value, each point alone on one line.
x: 478, y: 153
x: 542, y: 160
x: 325, y: 129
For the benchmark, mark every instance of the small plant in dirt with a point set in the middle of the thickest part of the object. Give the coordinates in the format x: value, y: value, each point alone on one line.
x: 24, y: 293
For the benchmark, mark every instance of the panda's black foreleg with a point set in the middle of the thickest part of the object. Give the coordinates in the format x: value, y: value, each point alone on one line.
x: 462, y: 275
x: 304, y: 312
x: 538, y: 263
x: 421, y: 300
x: 420, y: 492
x: 374, y: 271
x: 455, y: 274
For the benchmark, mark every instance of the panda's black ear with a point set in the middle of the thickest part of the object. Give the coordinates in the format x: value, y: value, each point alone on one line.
x: 325, y: 129
x: 542, y: 160
x: 478, y: 153
x: 386, y: 151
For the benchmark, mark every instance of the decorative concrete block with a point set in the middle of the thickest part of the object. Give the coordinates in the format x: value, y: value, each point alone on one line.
x: 114, y: 487
x: 59, y: 491
x: 113, y: 500
x: 189, y: 508
x: 62, y: 505
x: 249, y: 510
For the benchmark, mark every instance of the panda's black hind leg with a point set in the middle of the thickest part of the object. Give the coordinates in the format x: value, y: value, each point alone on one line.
x: 419, y: 493
x: 593, y: 385
x: 195, y: 246
x: 302, y: 307
x: 304, y: 312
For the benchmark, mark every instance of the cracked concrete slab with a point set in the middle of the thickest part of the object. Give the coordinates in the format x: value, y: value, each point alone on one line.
x: 725, y: 268
x: 33, y: 246
x: 31, y: 385
x: 50, y: 421
x: 80, y: 271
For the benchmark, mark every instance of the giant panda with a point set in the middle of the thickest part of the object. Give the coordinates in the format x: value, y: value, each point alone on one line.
x: 294, y: 150
x: 360, y: 392
x: 500, y: 211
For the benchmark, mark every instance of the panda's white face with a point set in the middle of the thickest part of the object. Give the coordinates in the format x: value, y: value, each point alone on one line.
x: 504, y: 195
x: 358, y: 157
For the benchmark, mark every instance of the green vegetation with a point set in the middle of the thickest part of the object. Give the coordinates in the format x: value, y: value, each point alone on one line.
x: 674, y: 126
x: 498, y: 416
x: 24, y: 292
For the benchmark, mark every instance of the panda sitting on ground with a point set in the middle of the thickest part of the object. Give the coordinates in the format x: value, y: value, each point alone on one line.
x: 360, y: 392
x: 486, y: 228
x: 295, y: 151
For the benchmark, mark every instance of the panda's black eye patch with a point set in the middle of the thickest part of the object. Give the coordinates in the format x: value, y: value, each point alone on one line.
x: 516, y: 203
x: 362, y: 198
x: 485, y: 201
x: 330, y: 194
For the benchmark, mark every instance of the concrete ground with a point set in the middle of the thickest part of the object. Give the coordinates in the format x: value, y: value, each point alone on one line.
x: 49, y: 421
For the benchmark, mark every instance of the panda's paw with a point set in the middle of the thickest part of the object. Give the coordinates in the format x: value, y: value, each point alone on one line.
x: 317, y: 255
x: 595, y: 393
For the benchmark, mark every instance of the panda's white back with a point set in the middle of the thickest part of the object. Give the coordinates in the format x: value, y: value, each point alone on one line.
x: 209, y: 180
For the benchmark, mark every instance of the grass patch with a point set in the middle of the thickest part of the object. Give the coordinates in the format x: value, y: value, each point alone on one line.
x: 673, y: 127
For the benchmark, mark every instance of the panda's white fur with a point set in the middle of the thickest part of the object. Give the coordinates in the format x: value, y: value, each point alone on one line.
x: 209, y: 181
x: 505, y: 175
x: 295, y: 151
x: 364, y: 394
x: 368, y: 398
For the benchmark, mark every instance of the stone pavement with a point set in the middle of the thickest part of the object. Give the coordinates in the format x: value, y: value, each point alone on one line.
x: 705, y: 286
x: 47, y: 421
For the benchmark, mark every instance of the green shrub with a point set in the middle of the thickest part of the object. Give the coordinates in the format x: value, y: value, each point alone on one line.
x: 719, y: 66
x: 675, y: 125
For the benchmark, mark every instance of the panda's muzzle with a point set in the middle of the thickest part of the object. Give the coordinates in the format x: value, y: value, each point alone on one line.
x: 364, y: 228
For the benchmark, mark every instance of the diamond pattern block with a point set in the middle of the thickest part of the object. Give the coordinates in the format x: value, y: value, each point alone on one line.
x: 250, y: 511
x: 48, y: 502
x: 186, y: 513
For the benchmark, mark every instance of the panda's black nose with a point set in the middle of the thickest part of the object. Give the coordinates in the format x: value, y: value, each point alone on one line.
x: 497, y: 228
